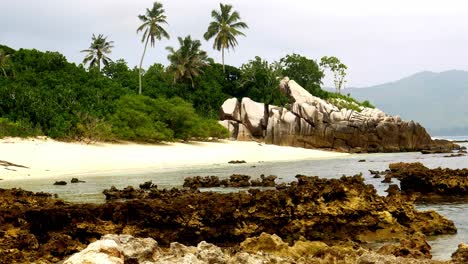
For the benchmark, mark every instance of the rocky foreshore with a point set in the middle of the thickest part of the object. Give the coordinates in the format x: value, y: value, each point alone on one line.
x: 311, y: 122
x: 266, y: 248
x: 427, y: 183
x: 341, y: 212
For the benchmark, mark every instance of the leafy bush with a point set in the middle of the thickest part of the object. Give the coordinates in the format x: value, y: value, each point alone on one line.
x: 142, y: 118
x: 19, y: 128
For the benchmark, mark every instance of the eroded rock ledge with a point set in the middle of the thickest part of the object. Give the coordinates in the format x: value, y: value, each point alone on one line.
x: 311, y: 122
x: 266, y: 248
x: 415, y: 178
x: 334, y: 211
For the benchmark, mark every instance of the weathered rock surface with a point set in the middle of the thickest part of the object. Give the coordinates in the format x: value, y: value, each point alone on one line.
x: 461, y: 255
x: 230, y: 110
x: 235, y: 180
x: 311, y: 122
x: 266, y: 248
x: 37, y: 227
x: 414, y: 246
x: 416, y: 178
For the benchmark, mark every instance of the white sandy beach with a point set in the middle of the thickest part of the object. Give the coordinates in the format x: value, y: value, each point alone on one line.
x: 49, y: 158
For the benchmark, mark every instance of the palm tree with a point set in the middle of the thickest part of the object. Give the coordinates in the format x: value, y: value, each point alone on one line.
x: 152, y: 29
x: 4, y: 61
x: 225, y: 27
x: 97, y: 51
x: 187, y: 61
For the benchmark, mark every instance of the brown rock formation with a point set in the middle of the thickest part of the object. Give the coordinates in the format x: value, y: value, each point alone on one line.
x: 311, y: 122
x: 38, y: 227
x: 461, y: 255
x: 416, y: 178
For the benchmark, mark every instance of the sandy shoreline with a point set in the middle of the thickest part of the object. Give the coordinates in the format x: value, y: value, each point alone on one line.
x: 47, y: 158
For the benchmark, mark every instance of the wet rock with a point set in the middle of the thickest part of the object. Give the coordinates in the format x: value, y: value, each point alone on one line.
x: 393, y: 189
x: 60, y: 183
x: 127, y: 193
x: 387, y: 179
x: 237, y: 180
x: 375, y: 258
x: 311, y: 208
x: 454, y: 155
x: 201, y: 182
x: 362, y: 160
x: 76, y: 180
x: 415, y: 246
x: 237, y: 161
x: 147, y: 185
x: 264, y: 181
x: 416, y: 178
x: 461, y: 255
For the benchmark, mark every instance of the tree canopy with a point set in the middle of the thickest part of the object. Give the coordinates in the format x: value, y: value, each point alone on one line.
x: 97, y: 52
x: 225, y: 27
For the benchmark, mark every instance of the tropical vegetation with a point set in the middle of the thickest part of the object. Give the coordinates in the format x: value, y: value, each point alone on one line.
x: 41, y: 93
x: 97, y: 52
x: 152, y: 29
x: 225, y: 27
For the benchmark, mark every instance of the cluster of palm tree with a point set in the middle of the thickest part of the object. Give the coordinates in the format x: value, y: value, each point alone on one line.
x: 188, y: 59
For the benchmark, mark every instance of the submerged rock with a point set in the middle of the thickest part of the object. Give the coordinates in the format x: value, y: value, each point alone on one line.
x: 202, y: 182
x: 76, y: 180
x: 237, y: 161
x: 60, y: 183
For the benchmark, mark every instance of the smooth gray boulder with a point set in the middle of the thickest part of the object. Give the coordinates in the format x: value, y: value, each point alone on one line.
x: 312, y: 122
x: 230, y: 110
x: 253, y: 116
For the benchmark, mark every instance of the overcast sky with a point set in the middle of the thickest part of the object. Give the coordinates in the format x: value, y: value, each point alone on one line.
x: 379, y: 41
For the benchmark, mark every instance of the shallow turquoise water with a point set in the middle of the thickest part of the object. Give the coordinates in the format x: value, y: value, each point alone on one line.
x: 91, y: 191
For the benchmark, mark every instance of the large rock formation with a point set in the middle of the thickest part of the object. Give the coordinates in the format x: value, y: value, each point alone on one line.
x: 37, y: 227
x: 443, y: 182
x: 311, y: 122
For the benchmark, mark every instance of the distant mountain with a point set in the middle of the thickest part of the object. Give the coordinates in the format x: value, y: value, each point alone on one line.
x: 439, y: 101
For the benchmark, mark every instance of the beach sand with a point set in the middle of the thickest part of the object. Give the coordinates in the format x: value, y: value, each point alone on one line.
x: 46, y: 158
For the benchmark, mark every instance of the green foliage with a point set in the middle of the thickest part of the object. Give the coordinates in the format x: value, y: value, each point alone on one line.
x: 43, y: 94
x: 142, y: 118
x: 49, y: 92
x: 152, y: 28
x: 96, y: 53
x: 304, y: 71
x: 259, y: 80
x: 137, y: 118
x: 225, y: 27
x: 187, y: 61
x: 119, y: 72
x: 18, y: 128
x: 345, y: 101
x: 337, y: 68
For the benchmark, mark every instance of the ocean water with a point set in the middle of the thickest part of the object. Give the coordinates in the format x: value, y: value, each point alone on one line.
x: 442, y: 246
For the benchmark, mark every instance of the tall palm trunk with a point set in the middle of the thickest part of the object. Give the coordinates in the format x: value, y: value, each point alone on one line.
x: 222, y: 58
x: 141, y: 63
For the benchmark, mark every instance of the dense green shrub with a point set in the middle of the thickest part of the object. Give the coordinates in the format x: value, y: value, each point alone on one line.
x: 142, y: 118
x: 19, y: 128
